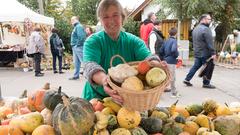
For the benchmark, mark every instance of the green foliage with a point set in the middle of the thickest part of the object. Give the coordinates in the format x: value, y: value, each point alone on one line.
x: 86, y: 10
x: 132, y: 26
x: 223, y: 11
x: 32, y: 4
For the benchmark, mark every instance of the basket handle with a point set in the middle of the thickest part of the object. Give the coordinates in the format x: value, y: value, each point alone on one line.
x: 115, y: 56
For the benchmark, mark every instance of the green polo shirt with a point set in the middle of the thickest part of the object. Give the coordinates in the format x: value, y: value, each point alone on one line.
x: 100, y: 48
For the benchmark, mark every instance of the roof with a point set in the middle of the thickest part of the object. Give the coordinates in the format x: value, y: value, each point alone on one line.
x: 136, y: 13
x: 12, y: 10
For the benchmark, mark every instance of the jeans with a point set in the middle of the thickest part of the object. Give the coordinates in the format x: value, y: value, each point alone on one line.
x: 55, y: 56
x: 37, y: 62
x: 77, y: 59
x: 197, y: 64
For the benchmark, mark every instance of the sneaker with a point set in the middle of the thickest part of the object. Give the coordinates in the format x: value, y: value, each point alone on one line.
x: 175, y: 95
x: 167, y: 90
x: 61, y: 72
x: 55, y: 72
x: 38, y: 75
x: 73, y: 78
x: 187, y: 83
x: 209, y: 86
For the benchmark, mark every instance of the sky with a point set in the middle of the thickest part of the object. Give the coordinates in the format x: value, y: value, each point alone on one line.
x: 131, y: 4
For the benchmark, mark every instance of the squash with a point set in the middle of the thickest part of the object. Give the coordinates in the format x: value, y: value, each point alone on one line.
x: 102, y: 120
x: 143, y: 67
x: 35, y: 99
x: 181, y: 110
x: 97, y: 104
x: 108, y: 111
x: 151, y: 125
x: 101, y: 132
x: 155, y: 76
x: 191, y: 127
x: 10, y: 130
x: 133, y: 83
x: 27, y: 122
x: 52, y: 98
x: 75, y: 116
x: 206, y: 131
x: 138, y: 131
x: 203, y: 121
x: 112, y: 123
x: 122, y: 72
x: 171, y: 128
x: 194, y: 109
x: 4, y: 111
x: 160, y: 115
x: 121, y: 131
x: 47, y: 116
x: 44, y: 130
x: 223, y: 110
x: 227, y: 125
x: 209, y: 106
x: 180, y: 119
x: 108, y: 102
x: 128, y: 119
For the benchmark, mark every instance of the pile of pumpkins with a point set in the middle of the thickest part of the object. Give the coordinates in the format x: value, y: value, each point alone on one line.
x: 52, y: 112
x: 142, y: 76
x: 208, y: 118
x: 46, y: 112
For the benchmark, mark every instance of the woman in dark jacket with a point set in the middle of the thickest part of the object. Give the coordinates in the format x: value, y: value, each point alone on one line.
x: 57, y: 48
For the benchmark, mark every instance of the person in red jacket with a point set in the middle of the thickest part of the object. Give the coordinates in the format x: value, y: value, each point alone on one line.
x: 147, y: 26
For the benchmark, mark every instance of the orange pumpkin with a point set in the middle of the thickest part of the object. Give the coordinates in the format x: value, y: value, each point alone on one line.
x: 35, y: 99
x: 44, y: 130
x: 143, y: 67
x: 10, y: 130
x: 97, y: 105
x: 4, y: 111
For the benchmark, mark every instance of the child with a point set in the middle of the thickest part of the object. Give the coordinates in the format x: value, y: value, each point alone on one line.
x: 169, y: 53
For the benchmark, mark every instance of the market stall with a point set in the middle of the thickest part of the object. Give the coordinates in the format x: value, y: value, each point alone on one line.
x: 15, y: 28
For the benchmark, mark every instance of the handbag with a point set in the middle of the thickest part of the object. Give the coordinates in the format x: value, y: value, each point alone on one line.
x: 207, y: 69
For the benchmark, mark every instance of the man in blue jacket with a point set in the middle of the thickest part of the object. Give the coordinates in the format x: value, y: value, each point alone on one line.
x: 77, y: 40
x: 203, y: 49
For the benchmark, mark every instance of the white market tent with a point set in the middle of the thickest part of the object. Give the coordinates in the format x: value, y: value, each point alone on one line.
x: 12, y: 10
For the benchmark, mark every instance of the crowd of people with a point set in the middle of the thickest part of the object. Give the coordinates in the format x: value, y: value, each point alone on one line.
x: 96, y: 49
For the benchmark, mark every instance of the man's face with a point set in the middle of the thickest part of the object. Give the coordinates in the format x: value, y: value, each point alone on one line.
x: 208, y: 20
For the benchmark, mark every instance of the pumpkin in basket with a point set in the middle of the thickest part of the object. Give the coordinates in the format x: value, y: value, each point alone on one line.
x: 35, y: 99
x: 143, y: 67
x: 121, y: 72
x: 133, y: 83
x: 74, y: 117
x: 44, y: 130
x: 155, y: 76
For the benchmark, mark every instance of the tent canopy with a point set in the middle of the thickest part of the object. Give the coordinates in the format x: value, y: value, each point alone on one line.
x: 12, y: 10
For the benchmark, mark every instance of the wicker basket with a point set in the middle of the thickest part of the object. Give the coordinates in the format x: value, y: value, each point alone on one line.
x: 143, y: 100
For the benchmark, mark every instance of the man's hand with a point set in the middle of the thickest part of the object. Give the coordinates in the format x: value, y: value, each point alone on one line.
x: 214, y: 57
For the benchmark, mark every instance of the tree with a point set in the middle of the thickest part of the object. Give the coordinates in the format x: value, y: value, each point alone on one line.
x: 86, y: 10
x: 32, y: 4
x: 223, y: 11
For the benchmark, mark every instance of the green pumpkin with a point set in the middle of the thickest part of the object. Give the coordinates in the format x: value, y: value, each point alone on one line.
x: 138, y: 131
x: 151, y: 125
x: 180, y: 119
x: 74, y: 117
x: 171, y: 129
x: 52, y: 98
x: 112, y: 123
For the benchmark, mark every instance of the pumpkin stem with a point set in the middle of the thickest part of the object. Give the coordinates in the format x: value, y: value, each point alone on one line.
x: 24, y: 94
x: 210, y: 125
x: 226, y: 104
x: 59, y: 89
